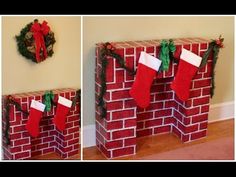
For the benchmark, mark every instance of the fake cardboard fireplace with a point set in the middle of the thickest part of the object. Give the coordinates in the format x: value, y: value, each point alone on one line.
x: 116, y: 135
x: 50, y: 139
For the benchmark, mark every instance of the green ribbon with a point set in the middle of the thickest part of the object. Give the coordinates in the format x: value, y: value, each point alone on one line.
x: 166, y: 51
x: 172, y: 47
x: 48, y: 97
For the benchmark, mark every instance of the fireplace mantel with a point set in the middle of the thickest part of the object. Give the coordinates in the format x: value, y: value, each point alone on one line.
x: 116, y: 135
x: 23, y: 146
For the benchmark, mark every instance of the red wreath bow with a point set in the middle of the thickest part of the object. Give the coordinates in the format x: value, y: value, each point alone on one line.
x: 39, y: 31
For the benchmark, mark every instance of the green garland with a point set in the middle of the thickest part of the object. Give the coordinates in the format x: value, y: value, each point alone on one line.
x: 26, y: 45
x: 108, y: 50
x: 214, y: 46
x: 76, y: 98
x: 10, y: 101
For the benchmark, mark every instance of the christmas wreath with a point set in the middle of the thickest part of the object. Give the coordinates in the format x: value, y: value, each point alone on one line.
x: 35, y: 41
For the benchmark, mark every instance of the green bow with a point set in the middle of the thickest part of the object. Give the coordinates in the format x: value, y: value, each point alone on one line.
x: 48, y: 97
x: 166, y: 50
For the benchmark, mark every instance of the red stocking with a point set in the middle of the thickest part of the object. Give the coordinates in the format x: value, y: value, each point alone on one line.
x: 147, y: 68
x: 36, y: 112
x: 188, y: 67
x: 63, y: 107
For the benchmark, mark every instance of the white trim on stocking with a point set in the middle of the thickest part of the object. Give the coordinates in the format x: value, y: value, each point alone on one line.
x: 64, y: 101
x: 149, y: 61
x: 191, y: 57
x: 37, y: 105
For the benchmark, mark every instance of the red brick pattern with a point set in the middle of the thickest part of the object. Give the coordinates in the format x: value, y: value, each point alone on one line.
x: 166, y: 113
x: 22, y: 146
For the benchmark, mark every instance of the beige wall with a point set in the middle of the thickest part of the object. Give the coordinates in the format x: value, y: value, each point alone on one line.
x: 102, y: 29
x: 59, y: 71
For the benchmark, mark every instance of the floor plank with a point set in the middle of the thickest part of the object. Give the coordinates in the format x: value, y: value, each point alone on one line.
x: 147, y: 146
x: 55, y: 156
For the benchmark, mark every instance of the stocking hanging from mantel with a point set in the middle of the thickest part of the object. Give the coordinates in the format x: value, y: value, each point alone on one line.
x: 147, y: 68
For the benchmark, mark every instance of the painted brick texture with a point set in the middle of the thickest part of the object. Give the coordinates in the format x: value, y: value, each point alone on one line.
x: 116, y: 134
x: 23, y: 146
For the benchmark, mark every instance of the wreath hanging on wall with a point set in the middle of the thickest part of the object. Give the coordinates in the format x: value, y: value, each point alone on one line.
x: 35, y: 41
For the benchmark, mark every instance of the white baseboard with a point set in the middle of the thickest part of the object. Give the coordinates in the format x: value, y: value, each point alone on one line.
x: 221, y: 111
x: 217, y: 112
x: 89, y: 136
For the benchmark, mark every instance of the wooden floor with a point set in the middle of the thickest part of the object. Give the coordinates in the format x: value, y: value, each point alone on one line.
x: 55, y: 156
x: 147, y: 146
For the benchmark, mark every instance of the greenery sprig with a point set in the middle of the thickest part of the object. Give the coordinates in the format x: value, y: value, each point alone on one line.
x: 215, y: 46
x: 107, y: 49
x: 11, y: 101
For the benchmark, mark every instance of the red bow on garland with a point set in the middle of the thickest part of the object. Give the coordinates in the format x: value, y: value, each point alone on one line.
x: 39, y: 31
